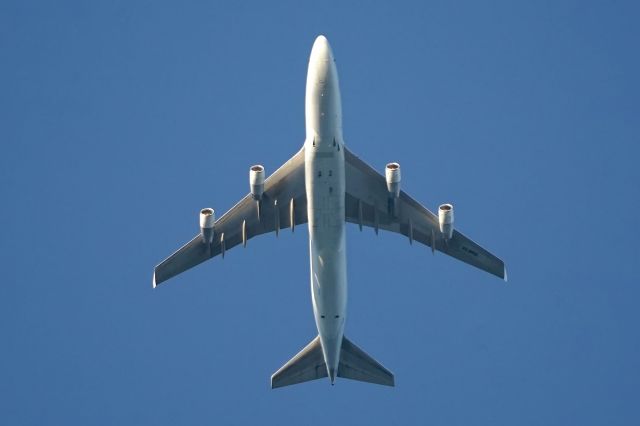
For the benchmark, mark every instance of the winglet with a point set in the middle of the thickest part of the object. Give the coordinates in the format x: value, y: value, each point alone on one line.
x: 154, y: 279
x: 505, y: 274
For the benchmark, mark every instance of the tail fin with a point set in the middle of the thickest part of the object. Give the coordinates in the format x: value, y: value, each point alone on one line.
x: 355, y: 364
x: 309, y: 364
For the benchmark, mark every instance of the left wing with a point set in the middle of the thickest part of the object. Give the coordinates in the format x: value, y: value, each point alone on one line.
x: 367, y: 203
x: 284, y: 204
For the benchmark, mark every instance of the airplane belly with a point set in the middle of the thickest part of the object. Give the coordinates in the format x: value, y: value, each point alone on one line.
x: 327, y: 242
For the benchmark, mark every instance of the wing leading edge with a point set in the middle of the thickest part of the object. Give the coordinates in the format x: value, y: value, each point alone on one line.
x: 283, y: 204
x: 367, y: 204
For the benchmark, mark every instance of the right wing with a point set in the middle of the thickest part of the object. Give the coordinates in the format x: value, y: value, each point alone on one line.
x: 284, y: 204
x: 367, y: 203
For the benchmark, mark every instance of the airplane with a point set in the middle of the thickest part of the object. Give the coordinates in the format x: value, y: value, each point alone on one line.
x: 325, y: 185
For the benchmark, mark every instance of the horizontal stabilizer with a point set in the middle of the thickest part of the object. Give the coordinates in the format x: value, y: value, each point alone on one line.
x: 307, y: 365
x: 355, y: 364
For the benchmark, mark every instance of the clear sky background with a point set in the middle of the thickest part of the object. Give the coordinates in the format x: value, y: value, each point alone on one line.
x: 120, y: 120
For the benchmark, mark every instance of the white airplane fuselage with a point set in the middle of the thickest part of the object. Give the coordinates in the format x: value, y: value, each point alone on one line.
x: 325, y: 187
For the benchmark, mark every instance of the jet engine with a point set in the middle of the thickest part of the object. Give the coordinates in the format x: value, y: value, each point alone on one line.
x: 445, y: 218
x: 392, y: 173
x: 207, y: 220
x: 256, y: 181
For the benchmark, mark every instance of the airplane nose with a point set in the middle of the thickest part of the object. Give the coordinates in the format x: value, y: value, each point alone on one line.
x: 321, y: 50
x: 321, y: 39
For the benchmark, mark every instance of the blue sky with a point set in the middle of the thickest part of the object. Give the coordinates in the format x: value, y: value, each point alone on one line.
x: 120, y: 120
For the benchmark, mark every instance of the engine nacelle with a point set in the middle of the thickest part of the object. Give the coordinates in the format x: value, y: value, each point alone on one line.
x: 256, y: 181
x: 392, y: 173
x: 445, y: 218
x: 207, y: 220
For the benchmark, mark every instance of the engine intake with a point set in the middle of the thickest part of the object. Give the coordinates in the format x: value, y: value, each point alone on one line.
x: 256, y: 181
x: 445, y: 218
x: 392, y: 174
x: 207, y: 221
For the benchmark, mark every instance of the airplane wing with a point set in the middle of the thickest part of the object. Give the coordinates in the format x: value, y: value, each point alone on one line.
x: 283, y: 204
x: 367, y: 203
